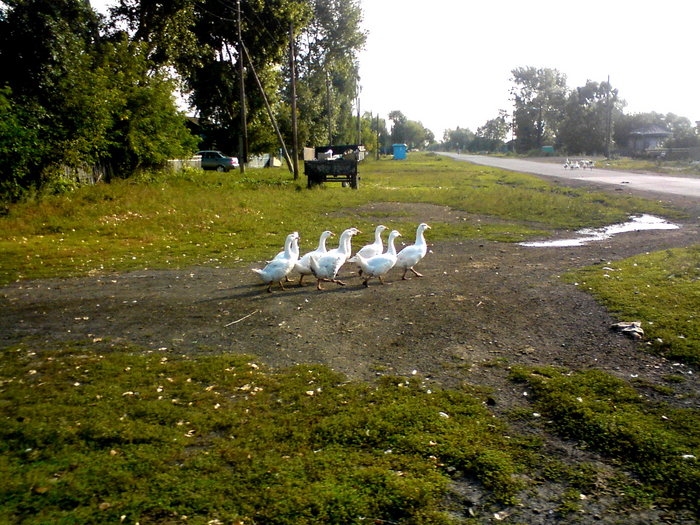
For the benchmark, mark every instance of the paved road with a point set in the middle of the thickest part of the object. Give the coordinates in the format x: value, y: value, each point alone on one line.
x: 686, y: 186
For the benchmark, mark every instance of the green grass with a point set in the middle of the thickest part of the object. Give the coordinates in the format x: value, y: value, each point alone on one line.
x: 657, y: 442
x: 90, y: 434
x: 661, y: 289
x: 208, y: 218
x: 669, y: 167
x: 89, y: 437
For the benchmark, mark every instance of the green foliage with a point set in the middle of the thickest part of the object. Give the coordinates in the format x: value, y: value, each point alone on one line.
x: 20, y: 145
x: 588, y: 118
x: 409, y: 132
x: 656, y: 441
x: 661, y: 290
x: 76, y: 101
x: 92, y: 435
x: 539, y: 95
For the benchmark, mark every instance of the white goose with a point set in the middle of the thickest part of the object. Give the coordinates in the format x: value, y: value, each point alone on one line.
x: 303, y: 265
x: 278, y: 268
x: 325, y: 267
x: 370, y: 250
x: 379, y: 265
x: 413, y: 253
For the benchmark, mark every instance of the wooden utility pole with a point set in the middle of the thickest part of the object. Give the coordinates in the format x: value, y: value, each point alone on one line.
x: 608, y: 123
x: 378, y: 145
x: 269, y: 111
x: 359, y: 122
x: 243, y: 141
x: 292, y: 72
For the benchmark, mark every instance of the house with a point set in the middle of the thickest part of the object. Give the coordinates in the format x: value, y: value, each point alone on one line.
x: 647, y: 138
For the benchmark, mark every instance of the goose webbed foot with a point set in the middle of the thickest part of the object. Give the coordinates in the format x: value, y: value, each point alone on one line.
x: 416, y: 273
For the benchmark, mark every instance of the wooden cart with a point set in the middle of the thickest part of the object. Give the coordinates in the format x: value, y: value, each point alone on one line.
x: 338, y: 170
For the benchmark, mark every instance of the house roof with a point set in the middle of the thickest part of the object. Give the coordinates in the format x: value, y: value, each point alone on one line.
x: 651, y: 131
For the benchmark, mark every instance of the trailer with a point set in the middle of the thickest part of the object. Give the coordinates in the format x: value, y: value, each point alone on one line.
x: 328, y: 167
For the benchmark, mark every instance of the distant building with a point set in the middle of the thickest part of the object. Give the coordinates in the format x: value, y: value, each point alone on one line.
x: 648, y: 137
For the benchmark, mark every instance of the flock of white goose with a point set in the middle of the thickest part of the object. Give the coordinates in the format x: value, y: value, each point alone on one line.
x: 372, y: 260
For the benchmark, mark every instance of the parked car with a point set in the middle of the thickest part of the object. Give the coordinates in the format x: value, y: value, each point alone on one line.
x: 215, y: 160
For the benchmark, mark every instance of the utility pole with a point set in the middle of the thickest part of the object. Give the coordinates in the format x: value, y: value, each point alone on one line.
x: 328, y: 108
x: 359, y: 122
x: 243, y: 140
x: 269, y: 111
x: 608, y: 124
x: 292, y: 71
x: 378, y: 145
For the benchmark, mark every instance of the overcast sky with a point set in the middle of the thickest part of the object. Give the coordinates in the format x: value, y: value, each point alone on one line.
x: 447, y: 63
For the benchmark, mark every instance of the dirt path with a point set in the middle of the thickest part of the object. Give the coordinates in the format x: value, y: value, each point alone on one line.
x: 479, y: 304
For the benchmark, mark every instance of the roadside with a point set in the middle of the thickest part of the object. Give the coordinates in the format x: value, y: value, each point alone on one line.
x: 643, y: 184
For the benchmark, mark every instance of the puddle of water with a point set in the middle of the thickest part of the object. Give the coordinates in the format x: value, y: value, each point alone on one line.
x: 641, y: 222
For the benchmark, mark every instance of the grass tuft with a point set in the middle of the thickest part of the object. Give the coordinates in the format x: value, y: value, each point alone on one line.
x: 661, y: 289
x: 659, y: 443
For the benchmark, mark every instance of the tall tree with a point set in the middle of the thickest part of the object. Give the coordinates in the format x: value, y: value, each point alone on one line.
x: 539, y: 95
x: 458, y: 139
x: 493, y: 134
x: 328, y: 71
x: 589, y: 114
x: 409, y: 132
x: 81, y: 98
x: 208, y: 60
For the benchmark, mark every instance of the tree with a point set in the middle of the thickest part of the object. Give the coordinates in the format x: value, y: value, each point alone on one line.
x: 539, y: 95
x: 75, y: 98
x: 493, y: 134
x: 328, y: 72
x: 459, y: 139
x: 409, y: 132
x: 588, y: 118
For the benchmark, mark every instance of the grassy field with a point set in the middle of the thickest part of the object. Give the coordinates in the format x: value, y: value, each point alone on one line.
x: 198, y: 218
x: 670, y: 167
x: 94, y: 434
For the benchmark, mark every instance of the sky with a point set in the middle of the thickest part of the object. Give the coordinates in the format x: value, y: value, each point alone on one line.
x: 447, y: 63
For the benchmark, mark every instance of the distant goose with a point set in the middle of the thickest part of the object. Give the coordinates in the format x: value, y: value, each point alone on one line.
x: 370, y: 250
x: 413, y: 253
x: 303, y: 265
x: 325, y: 267
x: 277, y: 269
x: 379, y: 265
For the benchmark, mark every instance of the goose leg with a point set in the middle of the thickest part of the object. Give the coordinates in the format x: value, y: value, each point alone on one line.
x: 365, y: 283
x: 318, y: 284
x: 417, y: 274
x: 269, y: 287
x: 380, y: 279
x: 403, y: 277
x: 341, y: 283
x: 301, y: 279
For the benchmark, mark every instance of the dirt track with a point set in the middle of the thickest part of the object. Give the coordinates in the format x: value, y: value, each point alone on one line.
x: 479, y: 304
